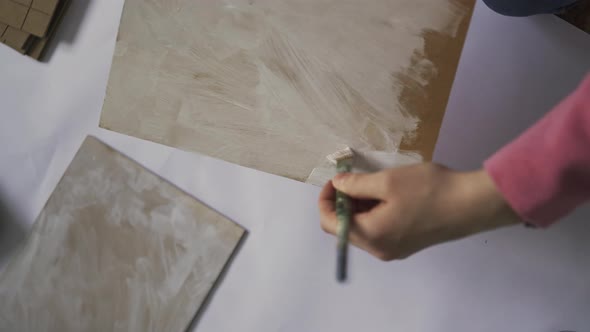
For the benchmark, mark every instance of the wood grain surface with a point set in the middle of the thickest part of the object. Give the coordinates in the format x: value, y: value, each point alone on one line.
x: 278, y: 85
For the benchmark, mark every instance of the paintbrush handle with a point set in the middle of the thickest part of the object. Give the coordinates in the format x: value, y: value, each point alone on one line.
x: 343, y: 213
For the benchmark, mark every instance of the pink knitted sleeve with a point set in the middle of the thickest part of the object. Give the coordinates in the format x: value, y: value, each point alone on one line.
x: 545, y: 173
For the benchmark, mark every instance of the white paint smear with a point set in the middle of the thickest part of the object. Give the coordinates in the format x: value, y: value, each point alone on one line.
x: 116, y: 248
x: 274, y: 85
x: 364, y: 162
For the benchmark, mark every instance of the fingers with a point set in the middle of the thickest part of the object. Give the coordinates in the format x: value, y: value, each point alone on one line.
x: 329, y: 221
x: 360, y: 226
x: 362, y: 229
x: 362, y: 185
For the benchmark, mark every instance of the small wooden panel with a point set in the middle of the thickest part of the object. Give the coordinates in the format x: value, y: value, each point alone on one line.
x: 16, y: 39
x: 3, y: 28
x: 45, y: 6
x: 116, y: 248
x: 33, y: 17
x: 38, y: 47
x: 13, y: 13
x: 24, y: 2
x: 37, y: 23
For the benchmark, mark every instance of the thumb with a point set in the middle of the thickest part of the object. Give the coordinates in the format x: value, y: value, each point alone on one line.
x: 361, y: 185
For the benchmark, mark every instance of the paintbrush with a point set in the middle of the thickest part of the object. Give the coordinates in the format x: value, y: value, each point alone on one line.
x: 343, y: 160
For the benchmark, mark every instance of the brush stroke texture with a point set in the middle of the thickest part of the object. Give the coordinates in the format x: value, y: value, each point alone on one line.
x: 277, y: 85
x: 116, y: 248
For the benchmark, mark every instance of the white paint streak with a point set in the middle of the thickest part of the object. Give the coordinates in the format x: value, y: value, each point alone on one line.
x: 364, y: 162
x: 115, y: 249
x: 274, y: 84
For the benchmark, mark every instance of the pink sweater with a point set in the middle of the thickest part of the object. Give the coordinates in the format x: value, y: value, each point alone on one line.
x: 545, y: 173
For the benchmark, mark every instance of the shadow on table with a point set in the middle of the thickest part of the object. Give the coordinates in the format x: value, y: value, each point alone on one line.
x: 563, y: 34
x: 12, y: 232
x: 67, y: 30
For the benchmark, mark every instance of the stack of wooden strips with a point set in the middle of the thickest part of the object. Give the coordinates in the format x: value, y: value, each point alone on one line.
x: 28, y: 25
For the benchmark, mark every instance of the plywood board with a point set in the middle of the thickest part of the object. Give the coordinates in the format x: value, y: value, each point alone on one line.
x: 36, y: 23
x: 24, y: 2
x: 277, y: 85
x: 115, y: 248
x: 31, y: 17
x: 38, y: 48
x: 15, y: 38
x: 13, y: 13
x: 46, y: 6
x: 27, y: 43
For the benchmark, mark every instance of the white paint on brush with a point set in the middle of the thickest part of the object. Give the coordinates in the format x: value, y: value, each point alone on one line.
x: 339, y: 155
x: 364, y: 162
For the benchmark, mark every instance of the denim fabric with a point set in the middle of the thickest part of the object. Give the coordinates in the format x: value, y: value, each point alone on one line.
x: 527, y: 7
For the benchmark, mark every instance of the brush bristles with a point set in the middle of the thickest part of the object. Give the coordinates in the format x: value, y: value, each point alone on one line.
x: 340, y: 155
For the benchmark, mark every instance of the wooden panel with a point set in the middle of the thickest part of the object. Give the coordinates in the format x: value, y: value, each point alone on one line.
x: 24, y: 2
x: 37, y: 50
x: 115, y: 248
x: 33, y: 17
x: 16, y: 39
x: 27, y: 40
x: 278, y: 85
x: 3, y: 28
x: 37, y: 23
x: 46, y: 6
x: 12, y: 13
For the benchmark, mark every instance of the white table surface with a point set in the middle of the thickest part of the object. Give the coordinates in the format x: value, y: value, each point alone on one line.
x: 512, y: 71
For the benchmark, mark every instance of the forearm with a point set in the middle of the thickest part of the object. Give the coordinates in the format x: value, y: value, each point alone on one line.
x: 478, y: 205
x: 545, y: 173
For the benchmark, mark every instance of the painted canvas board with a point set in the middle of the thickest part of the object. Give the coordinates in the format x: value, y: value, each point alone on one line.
x: 277, y: 85
x: 116, y: 248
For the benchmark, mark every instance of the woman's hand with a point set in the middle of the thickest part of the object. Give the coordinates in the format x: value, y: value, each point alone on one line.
x: 403, y: 210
